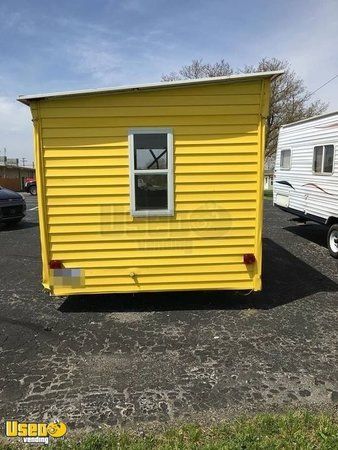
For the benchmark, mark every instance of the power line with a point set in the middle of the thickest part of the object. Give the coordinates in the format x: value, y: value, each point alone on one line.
x: 329, y: 81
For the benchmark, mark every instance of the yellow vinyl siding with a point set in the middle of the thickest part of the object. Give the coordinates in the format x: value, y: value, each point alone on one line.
x: 82, y: 144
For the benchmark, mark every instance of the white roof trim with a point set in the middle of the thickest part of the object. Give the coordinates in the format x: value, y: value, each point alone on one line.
x: 163, y: 84
x: 309, y: 119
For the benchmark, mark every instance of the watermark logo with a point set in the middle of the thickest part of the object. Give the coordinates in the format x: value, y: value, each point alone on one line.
x: 35, y: 432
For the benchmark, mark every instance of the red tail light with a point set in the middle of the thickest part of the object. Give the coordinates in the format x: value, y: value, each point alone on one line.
x: 249, y: 258
x: 55, y: 264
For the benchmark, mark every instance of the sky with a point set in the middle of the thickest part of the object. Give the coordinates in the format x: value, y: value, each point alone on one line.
x: 60, y: 45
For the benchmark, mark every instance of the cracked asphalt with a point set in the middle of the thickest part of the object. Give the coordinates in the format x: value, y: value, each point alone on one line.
x: 160, y: 357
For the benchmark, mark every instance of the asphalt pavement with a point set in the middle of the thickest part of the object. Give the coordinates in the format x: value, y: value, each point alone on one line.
x: 166, y: 357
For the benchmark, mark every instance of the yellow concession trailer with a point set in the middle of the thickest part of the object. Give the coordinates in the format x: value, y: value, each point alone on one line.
x: 155, y: 187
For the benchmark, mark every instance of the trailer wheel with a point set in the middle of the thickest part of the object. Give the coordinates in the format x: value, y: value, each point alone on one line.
x: 32, y: 190
x: 332, y: 240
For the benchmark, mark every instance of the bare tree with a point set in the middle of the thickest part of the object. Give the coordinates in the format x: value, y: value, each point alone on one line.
x: 199, y: 69
x: 290, y: 100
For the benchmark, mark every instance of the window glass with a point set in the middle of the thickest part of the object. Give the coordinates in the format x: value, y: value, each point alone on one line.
x: 328, y: 159
x: 151, y: 192
x: 152, y: 158
x: 323, y: 159
x: 150, y: 140
x: 151, y: 172
x: 150, y: 151
x: 285, y: 159
x: 318, y: 159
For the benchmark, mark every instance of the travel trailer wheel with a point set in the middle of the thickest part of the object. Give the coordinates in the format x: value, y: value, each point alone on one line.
x: 32, y: 190
x: 332, y: 240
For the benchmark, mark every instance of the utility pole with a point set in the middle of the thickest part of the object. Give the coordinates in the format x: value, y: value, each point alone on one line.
x: 23, y: 162
x: 5, y: 158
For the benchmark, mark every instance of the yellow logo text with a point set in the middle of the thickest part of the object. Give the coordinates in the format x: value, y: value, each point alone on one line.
x: 35, y: 431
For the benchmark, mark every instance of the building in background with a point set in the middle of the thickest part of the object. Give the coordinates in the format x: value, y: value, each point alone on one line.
x: 268, y: 180
x: 12, y: 175
x: 269, y: 168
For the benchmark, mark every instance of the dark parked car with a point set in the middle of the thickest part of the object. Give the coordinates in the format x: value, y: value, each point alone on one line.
x: 30, y: 186
x: 12, y: 206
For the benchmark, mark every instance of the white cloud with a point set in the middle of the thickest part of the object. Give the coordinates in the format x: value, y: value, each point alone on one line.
x: 116, y: 59
x: 18, y: 20
x: 15, y: 129
x: 96, y: 58
x: 310, y: 45
x: 133, y: 5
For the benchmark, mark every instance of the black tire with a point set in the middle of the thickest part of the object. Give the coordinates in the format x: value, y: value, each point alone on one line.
x: 332, y: 240
x: 32, y: 190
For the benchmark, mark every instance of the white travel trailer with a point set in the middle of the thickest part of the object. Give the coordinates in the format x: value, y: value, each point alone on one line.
x: 306, y: 172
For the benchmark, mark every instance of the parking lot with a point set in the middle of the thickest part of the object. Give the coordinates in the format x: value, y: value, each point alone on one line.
x: 124, y: 359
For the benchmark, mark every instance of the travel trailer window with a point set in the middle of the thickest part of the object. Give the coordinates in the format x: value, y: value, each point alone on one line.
x: 151, y: 172
x: 323, y: 159
x: 285, y: 159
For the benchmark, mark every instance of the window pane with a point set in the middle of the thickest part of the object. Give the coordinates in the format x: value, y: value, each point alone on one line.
x: 285, y: 159
x: 151, y: 192
x: 151, y: 158
x: 150, y: 151
x: 318, y: 159
x: 328, y: 159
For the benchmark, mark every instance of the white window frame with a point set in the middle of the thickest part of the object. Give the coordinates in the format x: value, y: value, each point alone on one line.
x: 280, y: 160
x: 169, y: 171
x: 323, y: 160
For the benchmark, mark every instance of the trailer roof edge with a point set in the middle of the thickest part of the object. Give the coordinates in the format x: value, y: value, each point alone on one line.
x: 26, y: 99
x: 332, y: 113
